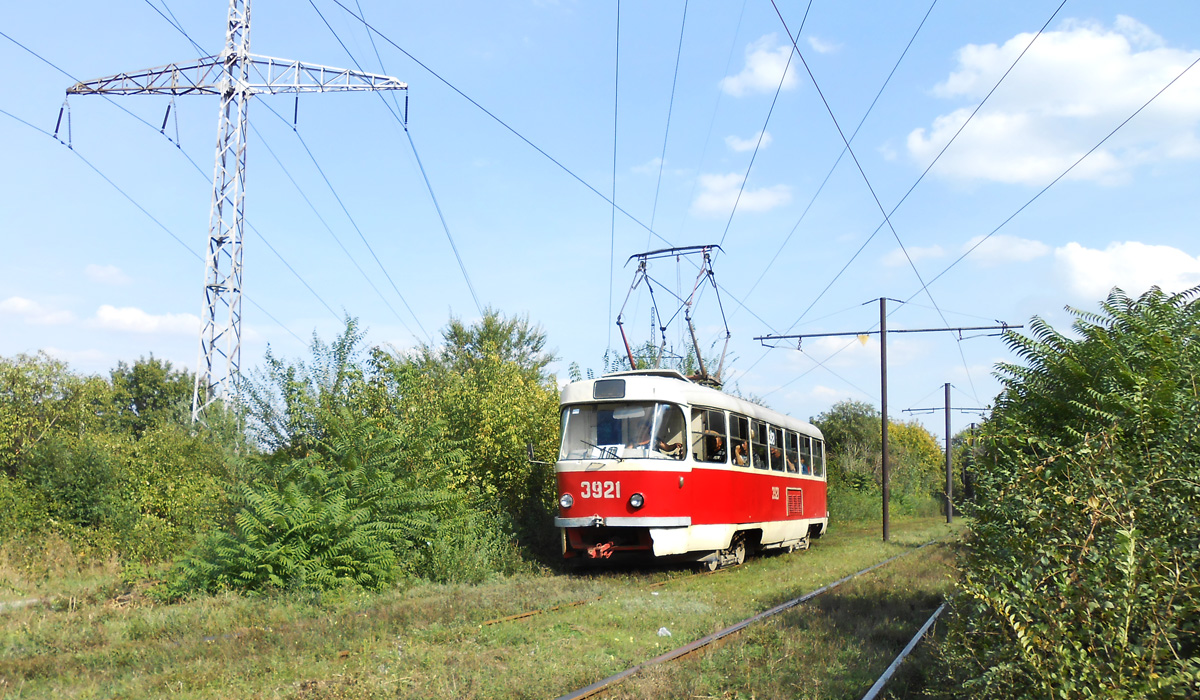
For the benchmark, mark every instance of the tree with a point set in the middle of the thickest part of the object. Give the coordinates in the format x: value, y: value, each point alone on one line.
x: 148, y: 393
x: 1082, y: 575
x: 39, y: 396
x: 488, y: 386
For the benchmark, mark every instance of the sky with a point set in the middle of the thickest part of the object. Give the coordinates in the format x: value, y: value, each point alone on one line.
x: 531, y: 118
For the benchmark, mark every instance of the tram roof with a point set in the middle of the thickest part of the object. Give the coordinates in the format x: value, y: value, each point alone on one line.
x: 672, y: 386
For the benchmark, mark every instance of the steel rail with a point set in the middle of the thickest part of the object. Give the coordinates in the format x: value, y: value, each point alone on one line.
x: 682, y: 651
x: 887, y: 675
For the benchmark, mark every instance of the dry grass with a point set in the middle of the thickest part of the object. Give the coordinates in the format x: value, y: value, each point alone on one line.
x: 430, y: 641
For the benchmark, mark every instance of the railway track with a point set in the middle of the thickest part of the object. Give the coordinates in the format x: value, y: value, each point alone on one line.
x: 688, y: 649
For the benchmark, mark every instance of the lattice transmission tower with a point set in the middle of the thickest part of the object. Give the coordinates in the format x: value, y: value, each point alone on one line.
x: 235, y: 75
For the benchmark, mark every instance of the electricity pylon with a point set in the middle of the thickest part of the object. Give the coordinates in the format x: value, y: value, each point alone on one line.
x: 235, y: 74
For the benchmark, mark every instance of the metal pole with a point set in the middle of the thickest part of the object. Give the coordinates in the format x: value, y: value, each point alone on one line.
x: 949, y: 469
x: 887, y: 487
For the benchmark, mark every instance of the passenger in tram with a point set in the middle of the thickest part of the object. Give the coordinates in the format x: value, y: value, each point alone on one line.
x: 739, y: 454
x: 717, y: 454
x: 777, y: 458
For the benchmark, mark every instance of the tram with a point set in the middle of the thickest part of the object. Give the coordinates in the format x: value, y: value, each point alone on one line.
x: 656, y: 465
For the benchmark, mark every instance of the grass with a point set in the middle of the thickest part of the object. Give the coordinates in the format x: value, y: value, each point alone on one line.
x: 422, y: 640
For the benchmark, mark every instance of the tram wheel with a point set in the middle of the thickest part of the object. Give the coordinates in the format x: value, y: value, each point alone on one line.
x: 739, y: 550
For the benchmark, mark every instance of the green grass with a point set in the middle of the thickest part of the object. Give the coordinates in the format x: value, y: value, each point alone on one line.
x: 424, y: 640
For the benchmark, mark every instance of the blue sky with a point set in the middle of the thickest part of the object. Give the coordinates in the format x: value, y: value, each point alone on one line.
x: 90, y: 278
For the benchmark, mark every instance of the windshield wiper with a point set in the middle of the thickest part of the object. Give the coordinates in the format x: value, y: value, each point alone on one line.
x: 609, y: 452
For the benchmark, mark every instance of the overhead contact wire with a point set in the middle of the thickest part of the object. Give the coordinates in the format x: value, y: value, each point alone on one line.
x: 763, y: 133
x: 662, y: 159
x: 412, y: 144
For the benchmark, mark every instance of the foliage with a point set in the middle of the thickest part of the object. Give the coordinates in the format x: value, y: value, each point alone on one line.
x: 105, y: 467
x: 39, y: 396
x: 488, y: 386
x: 855, y: 465
x: 1081, y: 577
x: 149, y: 393
x: 339, y: 516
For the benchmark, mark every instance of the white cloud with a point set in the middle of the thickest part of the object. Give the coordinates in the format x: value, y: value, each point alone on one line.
x: 765, y: 63
x: 34, y: 312
x: 650, y: 167
x: 106, y: 274
x: 718, y: 193
x: 822, y: 46
x: 741, y: 145
x: 1001, y: 249
x: 1072, y: 87
x: 134, y: 320
x: 896, y: 257
x: 1132, y: 266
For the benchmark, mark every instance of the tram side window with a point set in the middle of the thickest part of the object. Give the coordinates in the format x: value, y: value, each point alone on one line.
x: 775, y: 438
x: 739, y: 440
x: 670, y: 434
x: 758, y: 445
x: 708, y: 435
x: 806, y: 462
x: 818, y: 458
x: 792, y: 451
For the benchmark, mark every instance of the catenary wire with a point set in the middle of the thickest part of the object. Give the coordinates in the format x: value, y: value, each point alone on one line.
x: 1062, y: 175
x: 145, y: 211
x: 532, y: 145
x: 841, y: 155
x: 763, y: 132
x: 612, y: 236
x: 412, y: 144
x: 349, y: 217
x: 662, y: 159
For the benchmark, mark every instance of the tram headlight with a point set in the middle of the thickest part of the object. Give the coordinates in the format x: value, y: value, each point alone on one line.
x: 636, y: 501
x: 566, y: 501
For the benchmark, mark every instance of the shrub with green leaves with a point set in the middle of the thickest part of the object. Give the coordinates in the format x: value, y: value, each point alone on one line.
x: 339, y: 516
x: 1081, y: 577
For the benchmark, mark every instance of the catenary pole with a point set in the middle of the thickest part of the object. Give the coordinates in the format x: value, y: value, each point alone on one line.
x: 949, y: 473
x: 883, y: 383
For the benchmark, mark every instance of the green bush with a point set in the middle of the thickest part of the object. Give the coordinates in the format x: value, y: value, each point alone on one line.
x: 337, y: 517
x: 1081, y: 577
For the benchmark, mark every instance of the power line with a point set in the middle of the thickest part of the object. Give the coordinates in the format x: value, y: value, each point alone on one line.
x: 841, y: 154
x: 502, y: 123
x: 612, y: 236
x: 350, y: 218
x: 662, y: 159
x: 404, y: 123
x: 142, y: 209
x: 931, y: 163
x: 1061, y: 176
x: 763, y: 132
x: 854, y: 157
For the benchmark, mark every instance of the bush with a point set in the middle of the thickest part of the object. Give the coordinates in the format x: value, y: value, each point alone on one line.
x: 337, y: 517
x: 1080, y: 577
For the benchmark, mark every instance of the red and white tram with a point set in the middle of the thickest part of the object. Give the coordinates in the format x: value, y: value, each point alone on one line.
x: 652, y: 463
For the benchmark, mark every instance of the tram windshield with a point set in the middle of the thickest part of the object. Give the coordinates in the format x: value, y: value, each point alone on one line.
x: 623, y: 431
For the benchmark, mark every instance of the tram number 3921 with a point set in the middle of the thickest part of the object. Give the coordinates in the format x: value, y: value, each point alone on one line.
x: 600, y: 489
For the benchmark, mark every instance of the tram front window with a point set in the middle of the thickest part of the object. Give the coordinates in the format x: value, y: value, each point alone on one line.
x: 623, y: 430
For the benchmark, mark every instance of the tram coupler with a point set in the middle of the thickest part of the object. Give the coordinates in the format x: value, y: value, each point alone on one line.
x: 603, y: 550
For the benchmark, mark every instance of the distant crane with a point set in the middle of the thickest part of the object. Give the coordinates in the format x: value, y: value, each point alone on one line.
x: 230, y: 75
